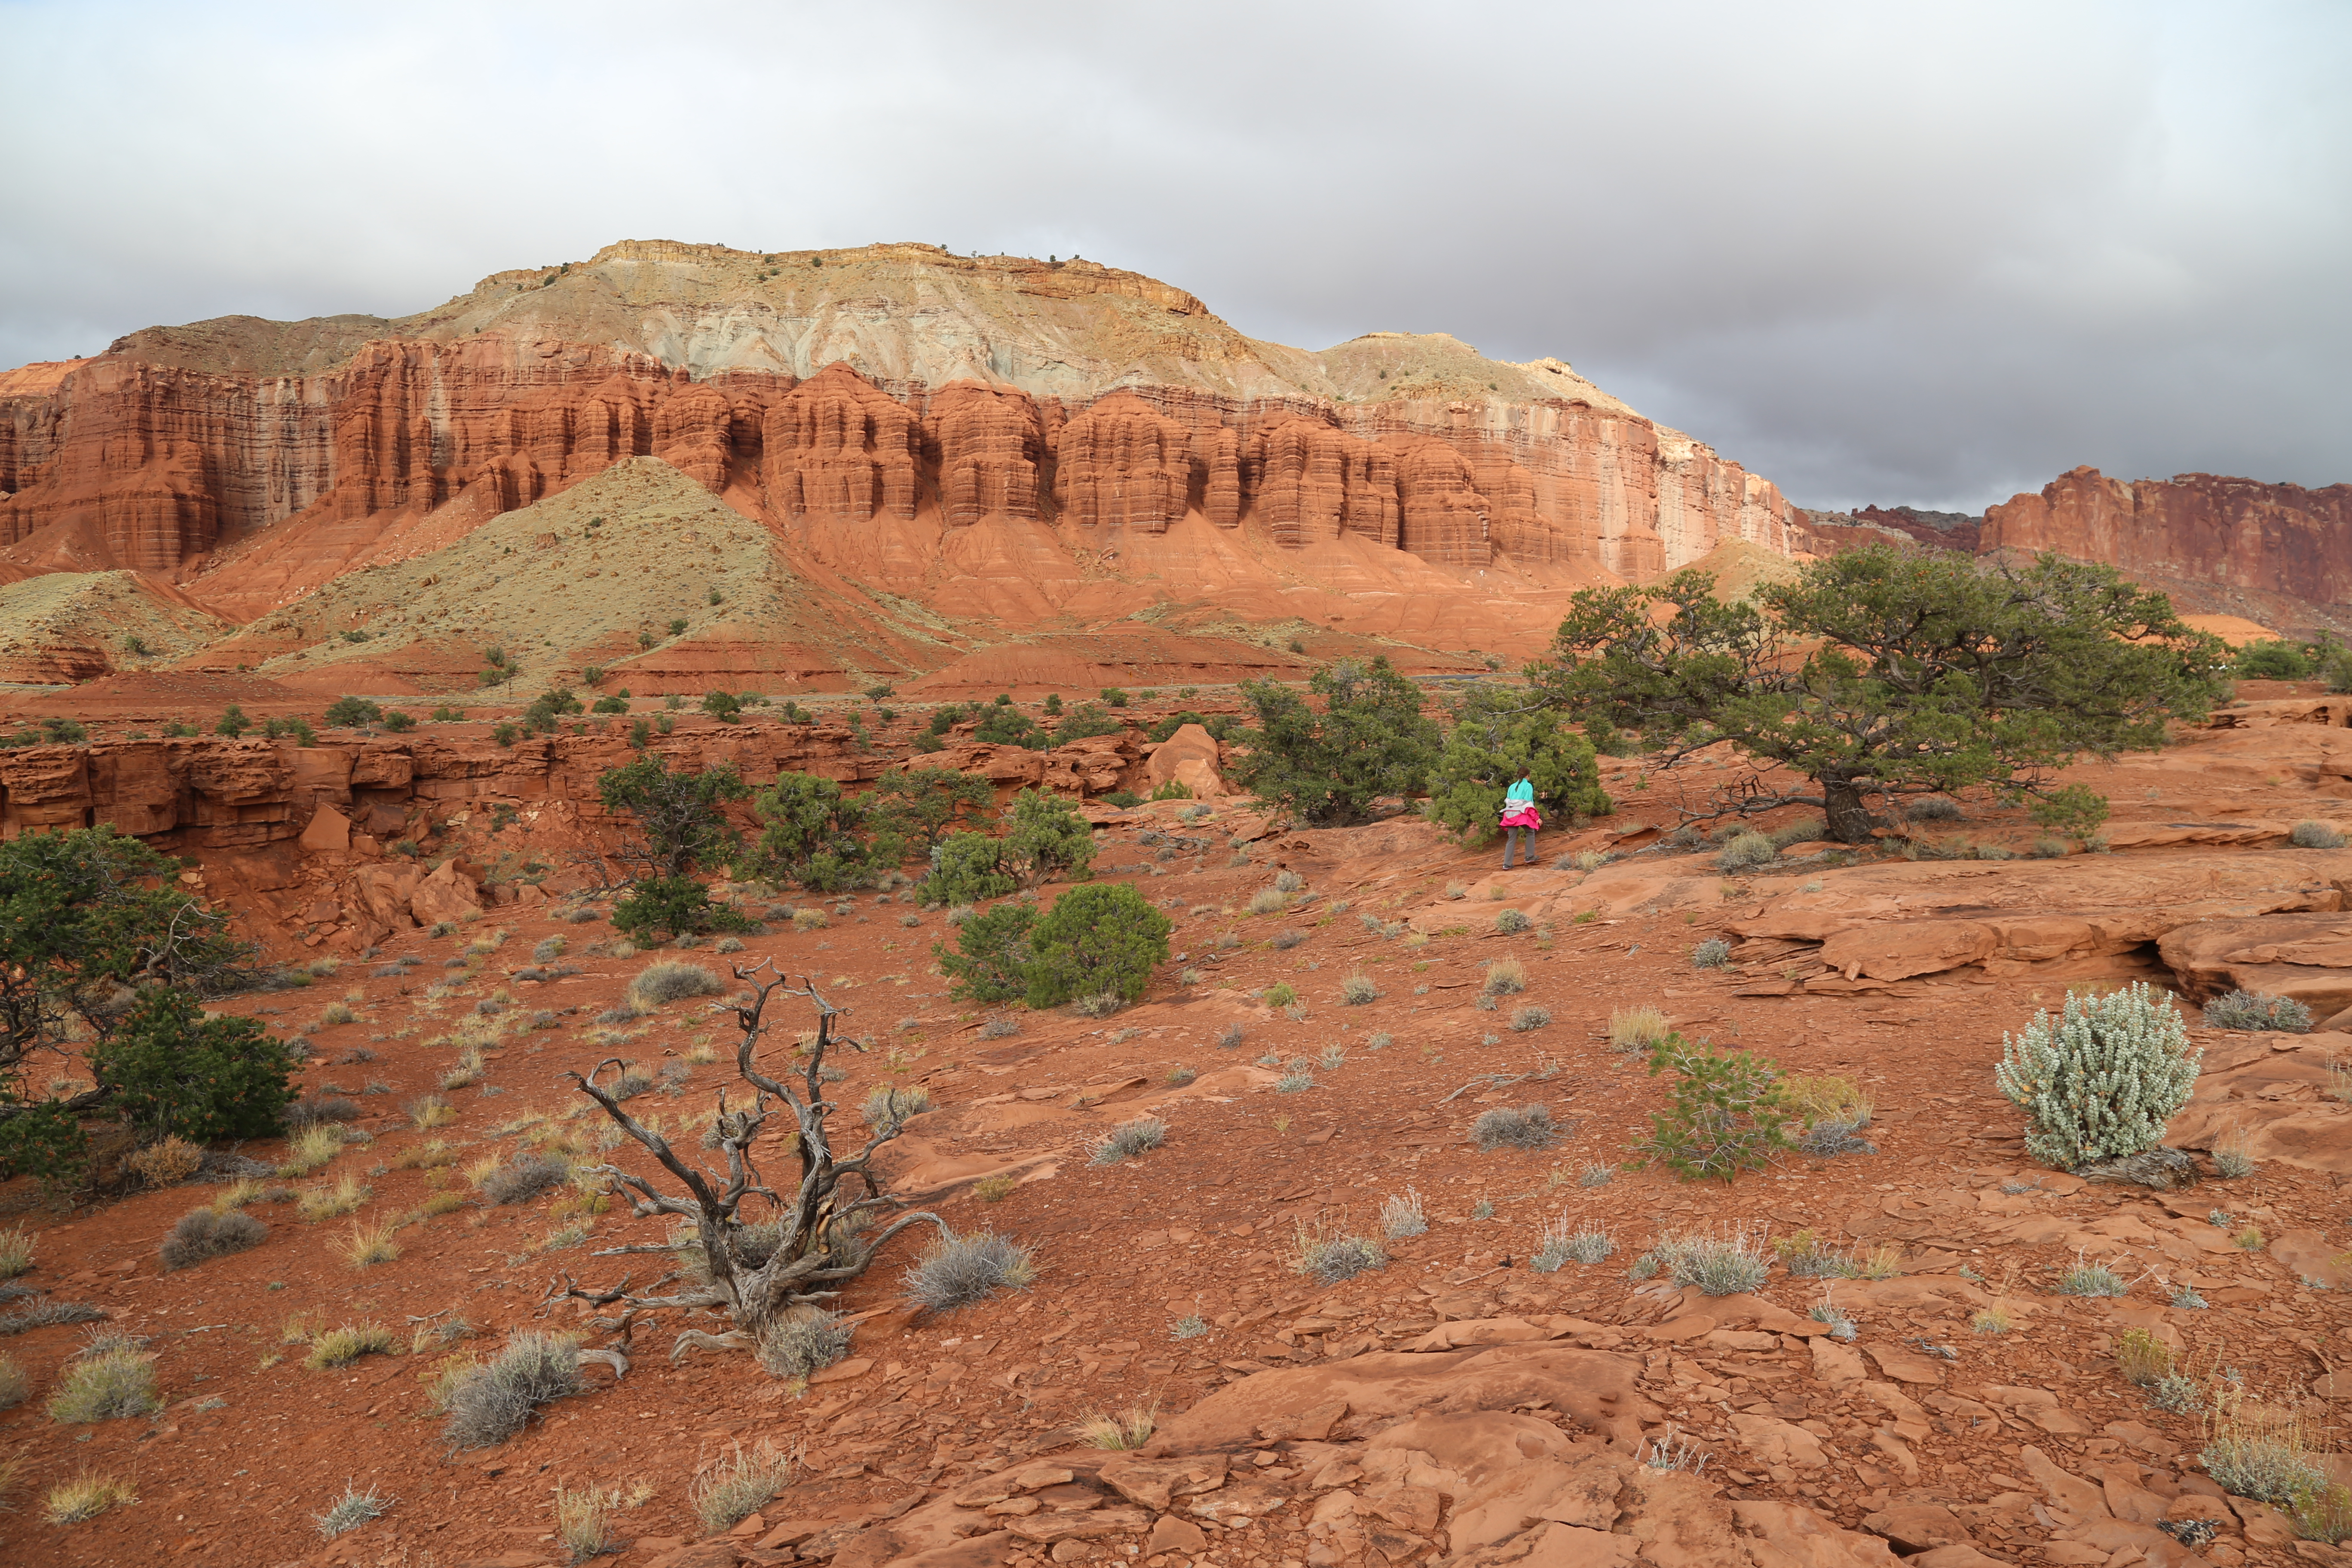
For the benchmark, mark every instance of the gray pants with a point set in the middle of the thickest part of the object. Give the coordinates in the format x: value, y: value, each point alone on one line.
x: 1523, y: 839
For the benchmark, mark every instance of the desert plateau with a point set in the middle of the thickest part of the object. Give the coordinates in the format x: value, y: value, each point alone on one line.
x: 895, y: 905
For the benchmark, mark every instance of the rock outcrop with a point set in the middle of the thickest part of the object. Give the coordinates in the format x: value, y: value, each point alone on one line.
x: 836, y: 447
x: 2240, y: 533
x: 833, y: 388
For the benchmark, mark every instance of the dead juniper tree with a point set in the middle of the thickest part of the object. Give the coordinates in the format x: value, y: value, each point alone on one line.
x: 767, y: 1272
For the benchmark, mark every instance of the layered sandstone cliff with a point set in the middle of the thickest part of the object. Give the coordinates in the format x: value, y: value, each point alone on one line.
x: 2241, y: 533
x: 835, y: 388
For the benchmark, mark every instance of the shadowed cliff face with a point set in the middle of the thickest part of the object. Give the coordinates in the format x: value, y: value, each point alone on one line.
x: 835, y: 389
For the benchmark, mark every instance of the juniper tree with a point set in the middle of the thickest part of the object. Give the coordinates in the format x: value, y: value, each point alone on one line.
x: 1888, y: 673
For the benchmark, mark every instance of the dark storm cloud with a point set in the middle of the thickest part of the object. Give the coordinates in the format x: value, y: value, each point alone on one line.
x: 1877, y: 253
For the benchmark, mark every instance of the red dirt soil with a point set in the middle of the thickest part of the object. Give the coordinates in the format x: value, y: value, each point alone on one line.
x: 2025, y: 1446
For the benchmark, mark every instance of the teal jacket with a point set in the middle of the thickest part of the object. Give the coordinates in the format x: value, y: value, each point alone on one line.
x: 1523, y: 790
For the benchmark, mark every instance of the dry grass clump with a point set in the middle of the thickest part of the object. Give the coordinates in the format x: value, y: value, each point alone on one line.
x: 1359, y: 989
x: 1506, y: 977
x: 430, y: 1111
x: 1521, y: 1127
x: 341, y: 1346
x: 429, y: 1155
x: 521, y: 1178
x: 671, y: 980
x: 2142, y: 1358
x: 1510, y: 923
x: 369, y: 1244
x: 48, y: 1315
x: 15, y: 1252
x: 1130, y: 1429
x: 1331, y: 1258
x: 1823, y: 1097
x: 813, y: 920
x: 958, y: 1271
x: 1636, y: 1029
x: 210, y: 1233
x: 2258, y: 1013
x: 86, y: 1497
x: 492, y: 1401
x: 333, y: 1203
x: 106, y: 1384
x: 889, y: 1107
x: 1268, y: 901
x: 1128, y: 1141
x: 1402, y: 1216
x: 995, y: 1189
x: 311, y: 1150
x: 808, y: 1343
x: 2264, y: 1451
x: 738, y: 1487
x: 1725, y: 1265
x: 583, y: 1521
x: 163, y: 1163
x: 16, y: 1382
x: 350, y: 1510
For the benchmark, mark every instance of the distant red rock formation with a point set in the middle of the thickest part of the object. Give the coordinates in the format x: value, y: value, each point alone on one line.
x: 2201, y: 527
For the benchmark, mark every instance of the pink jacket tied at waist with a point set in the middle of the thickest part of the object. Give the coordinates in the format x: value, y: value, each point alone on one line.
x: 1522, y: 814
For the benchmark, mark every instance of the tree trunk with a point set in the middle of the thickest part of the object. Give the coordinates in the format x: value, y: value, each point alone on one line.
x: 1849, y: 822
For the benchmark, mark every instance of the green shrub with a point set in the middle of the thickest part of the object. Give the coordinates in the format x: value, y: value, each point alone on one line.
x: 2071, y: 811
x: 45, y: 1139
x: 397, y: 721
x: 1721, y: 1115
x: 1047, y: 837
x: 1174, y: 789
x: 923, y: 805
x: 351, y: 712
x: 1101, y: 937
x: 680, y: 814
x: 2272, y: 661
x: 674, y: 906
x: 992, y: 955
x: 723, y: 706
x: 816, y: 834
x: 1087, y: 720
x: 1329, y: 768
x: 609, y: 705
x: 966, y: 869
x: 2102, y: 1080
x: 176, y: 1072
x: 1491, y: 747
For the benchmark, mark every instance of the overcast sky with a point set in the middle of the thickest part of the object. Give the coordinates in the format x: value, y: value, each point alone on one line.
x: 1934, y: 254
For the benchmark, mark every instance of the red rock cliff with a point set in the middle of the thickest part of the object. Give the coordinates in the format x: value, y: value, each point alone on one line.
x: 2268, y: 538
x: 257, y: 460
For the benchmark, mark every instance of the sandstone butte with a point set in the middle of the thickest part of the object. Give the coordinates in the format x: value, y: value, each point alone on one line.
x: 1021, y: 446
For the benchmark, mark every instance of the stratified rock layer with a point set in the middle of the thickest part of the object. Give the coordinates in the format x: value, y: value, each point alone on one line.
x: 828, y: 389
x: 2267, y: 538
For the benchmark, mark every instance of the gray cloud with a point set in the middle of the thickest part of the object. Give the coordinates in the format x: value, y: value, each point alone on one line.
x: 1877, y: 253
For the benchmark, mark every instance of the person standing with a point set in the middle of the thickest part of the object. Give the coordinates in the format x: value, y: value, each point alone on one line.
x: 1521, y: 822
